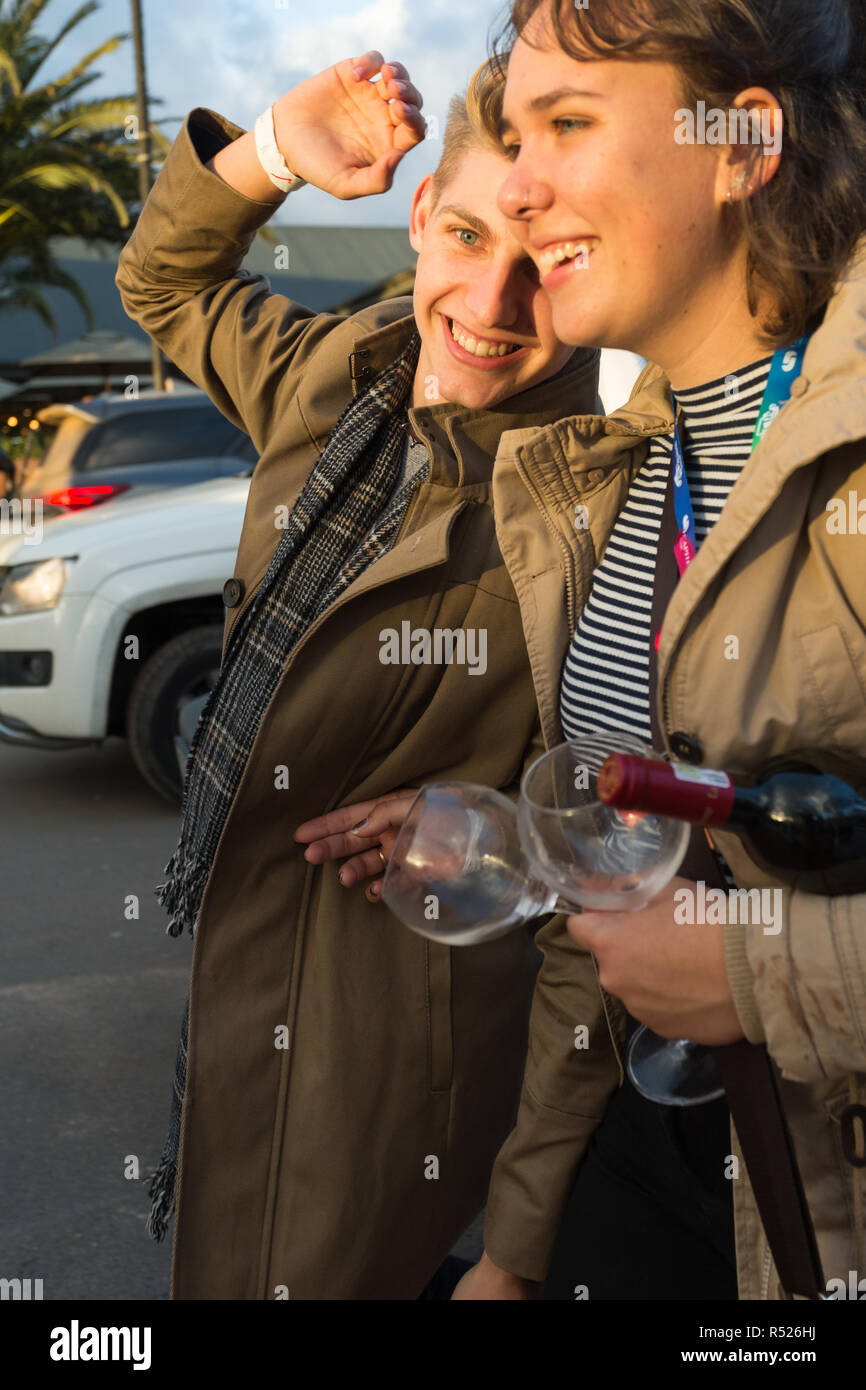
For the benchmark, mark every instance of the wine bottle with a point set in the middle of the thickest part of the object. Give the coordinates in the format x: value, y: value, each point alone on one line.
x: 805, y: 823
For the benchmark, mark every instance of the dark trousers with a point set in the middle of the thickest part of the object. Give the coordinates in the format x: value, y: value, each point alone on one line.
x: 650, y: 1215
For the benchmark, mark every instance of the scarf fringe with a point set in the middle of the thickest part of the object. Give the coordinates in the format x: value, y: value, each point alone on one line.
x: 182, y: 892
x: 162, y: 1192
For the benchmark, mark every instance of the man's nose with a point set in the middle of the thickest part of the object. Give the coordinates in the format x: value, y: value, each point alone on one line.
x: 494, y: 296
x: 524, y: 193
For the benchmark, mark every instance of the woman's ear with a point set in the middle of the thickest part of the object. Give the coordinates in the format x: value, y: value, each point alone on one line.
x: 419, y: 216
x: 753, y: 153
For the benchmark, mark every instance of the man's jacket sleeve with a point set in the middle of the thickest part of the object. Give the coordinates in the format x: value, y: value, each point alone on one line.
x: 180, y: 278
x: 571, y: 1072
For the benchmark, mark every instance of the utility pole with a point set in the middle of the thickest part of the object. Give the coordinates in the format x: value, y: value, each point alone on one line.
x: 145, y: 174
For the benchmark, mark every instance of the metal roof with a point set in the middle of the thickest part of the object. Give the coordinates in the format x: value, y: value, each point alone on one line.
x: 327, y: 266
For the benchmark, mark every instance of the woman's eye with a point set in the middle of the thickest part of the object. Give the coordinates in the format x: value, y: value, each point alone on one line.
x: 465, y: 232
x: 570, y: 123
x: 511, y: 151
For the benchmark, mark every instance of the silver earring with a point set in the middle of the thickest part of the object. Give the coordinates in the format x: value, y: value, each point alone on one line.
x: 737, y: 186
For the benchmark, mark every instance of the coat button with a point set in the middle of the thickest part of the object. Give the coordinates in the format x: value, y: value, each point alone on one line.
x: 800, y: 386
x: 233, y: 592
x: 686, y: 748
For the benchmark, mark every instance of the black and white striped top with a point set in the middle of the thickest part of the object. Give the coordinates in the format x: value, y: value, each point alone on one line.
x: 605, y: 681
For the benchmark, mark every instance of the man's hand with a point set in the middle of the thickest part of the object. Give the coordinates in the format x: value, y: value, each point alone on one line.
x: 487, y: 1281
x: 378, y: 823
x: 671, y: 977
x: 346, y: 134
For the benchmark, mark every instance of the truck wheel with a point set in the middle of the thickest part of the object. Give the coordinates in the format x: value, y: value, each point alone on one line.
x: 184, y: 669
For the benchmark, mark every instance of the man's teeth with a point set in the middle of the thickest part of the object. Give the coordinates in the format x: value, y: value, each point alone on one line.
x: 481, y: 347
x: 554, y: 255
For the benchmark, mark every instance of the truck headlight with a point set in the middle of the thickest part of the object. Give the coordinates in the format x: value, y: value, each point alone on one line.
x: 32, y: 588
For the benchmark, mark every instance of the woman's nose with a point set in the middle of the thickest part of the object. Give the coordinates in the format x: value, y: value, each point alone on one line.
x: 523, y: 193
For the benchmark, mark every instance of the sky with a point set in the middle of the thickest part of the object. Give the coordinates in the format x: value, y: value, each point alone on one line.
x: 238, y: 56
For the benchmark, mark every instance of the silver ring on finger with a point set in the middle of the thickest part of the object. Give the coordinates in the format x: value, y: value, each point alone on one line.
x: 381, y: 856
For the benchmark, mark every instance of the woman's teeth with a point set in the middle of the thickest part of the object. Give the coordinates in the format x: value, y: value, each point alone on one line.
x: 555, y: 255
x: 482, y: 347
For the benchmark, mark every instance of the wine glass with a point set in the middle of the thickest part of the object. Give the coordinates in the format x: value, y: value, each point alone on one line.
x: 597, y: 857
x: 457, y: 872
x: 468, y: 866
x: 593, y: 855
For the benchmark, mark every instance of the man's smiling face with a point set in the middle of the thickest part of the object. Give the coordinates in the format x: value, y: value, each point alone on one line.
x: 485, y: 323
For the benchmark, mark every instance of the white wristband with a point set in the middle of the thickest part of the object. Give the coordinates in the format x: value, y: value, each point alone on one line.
x: 270, y: 158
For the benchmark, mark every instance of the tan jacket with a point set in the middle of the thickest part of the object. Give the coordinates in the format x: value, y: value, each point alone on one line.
x: 774, y: 574
x: 345, y: 1164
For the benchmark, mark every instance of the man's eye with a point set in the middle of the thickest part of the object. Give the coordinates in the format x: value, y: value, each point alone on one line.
x: 462, y: 232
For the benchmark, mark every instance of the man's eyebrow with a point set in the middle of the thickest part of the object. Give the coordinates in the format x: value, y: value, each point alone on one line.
x: 548, y: 99
x: 476, y: 223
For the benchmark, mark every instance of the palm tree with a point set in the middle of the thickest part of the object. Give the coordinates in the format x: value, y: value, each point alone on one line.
x: 68, y: 167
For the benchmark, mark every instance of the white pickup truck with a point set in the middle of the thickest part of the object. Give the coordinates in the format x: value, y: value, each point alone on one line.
x: 111, y: 622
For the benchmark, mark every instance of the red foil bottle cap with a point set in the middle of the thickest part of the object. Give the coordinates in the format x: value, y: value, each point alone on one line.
x: 702, y: 797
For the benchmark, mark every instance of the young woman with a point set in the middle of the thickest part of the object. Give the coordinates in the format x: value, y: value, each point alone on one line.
x: 691, y: 183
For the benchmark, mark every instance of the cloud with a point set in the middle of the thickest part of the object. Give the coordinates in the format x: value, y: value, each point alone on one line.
x: 236, y: 59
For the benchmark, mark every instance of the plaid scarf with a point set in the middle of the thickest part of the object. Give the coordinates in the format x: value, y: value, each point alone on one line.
x: 347, y: 516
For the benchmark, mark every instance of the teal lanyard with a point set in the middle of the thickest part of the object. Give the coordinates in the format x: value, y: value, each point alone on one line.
x: 785, y: 368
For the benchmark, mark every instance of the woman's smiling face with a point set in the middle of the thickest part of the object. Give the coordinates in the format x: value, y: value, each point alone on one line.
x: 595, y: 165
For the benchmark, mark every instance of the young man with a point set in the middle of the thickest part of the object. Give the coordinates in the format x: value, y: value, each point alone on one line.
x: 346, y: 1084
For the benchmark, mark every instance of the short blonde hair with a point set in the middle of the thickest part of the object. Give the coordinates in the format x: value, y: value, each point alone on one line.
x: 473, y: 123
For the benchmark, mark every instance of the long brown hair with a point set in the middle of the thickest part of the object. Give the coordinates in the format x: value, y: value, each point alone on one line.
x: 803, y: 226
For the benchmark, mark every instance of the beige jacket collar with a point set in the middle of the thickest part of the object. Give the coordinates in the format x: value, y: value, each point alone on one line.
x: 827, y: 410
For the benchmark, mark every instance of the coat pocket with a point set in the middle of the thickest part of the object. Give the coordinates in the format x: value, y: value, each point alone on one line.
x: 440, y: 1050
x: 839, y: 687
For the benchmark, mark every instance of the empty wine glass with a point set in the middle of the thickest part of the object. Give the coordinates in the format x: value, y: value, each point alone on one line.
x: 598, y: 857
x: 457, y: 872
x: 591, y: 854
x: 468, y: 866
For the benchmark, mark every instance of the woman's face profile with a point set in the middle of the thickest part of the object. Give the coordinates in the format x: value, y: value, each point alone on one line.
x: 623, y: 221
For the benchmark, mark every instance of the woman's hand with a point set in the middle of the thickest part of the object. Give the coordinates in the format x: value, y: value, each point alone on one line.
x: 346, y: 134
x: 671, y: 977
x: 486, y: 1281
x: 360, y: 831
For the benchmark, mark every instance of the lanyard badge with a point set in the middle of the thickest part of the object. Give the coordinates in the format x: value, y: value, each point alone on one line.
x: 785, y: 367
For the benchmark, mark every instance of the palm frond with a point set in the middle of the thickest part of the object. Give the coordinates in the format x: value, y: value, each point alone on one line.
x: 55, y: 87
x: 9, y: 70
x: 83, y: 12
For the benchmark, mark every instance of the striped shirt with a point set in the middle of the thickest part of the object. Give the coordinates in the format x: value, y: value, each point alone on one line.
x: 605, y: 680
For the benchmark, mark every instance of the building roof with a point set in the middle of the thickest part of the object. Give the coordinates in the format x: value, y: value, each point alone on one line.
x: 327, y: 266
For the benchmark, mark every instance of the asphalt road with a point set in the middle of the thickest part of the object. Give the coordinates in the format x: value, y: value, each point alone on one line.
x: 90, y: 1009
